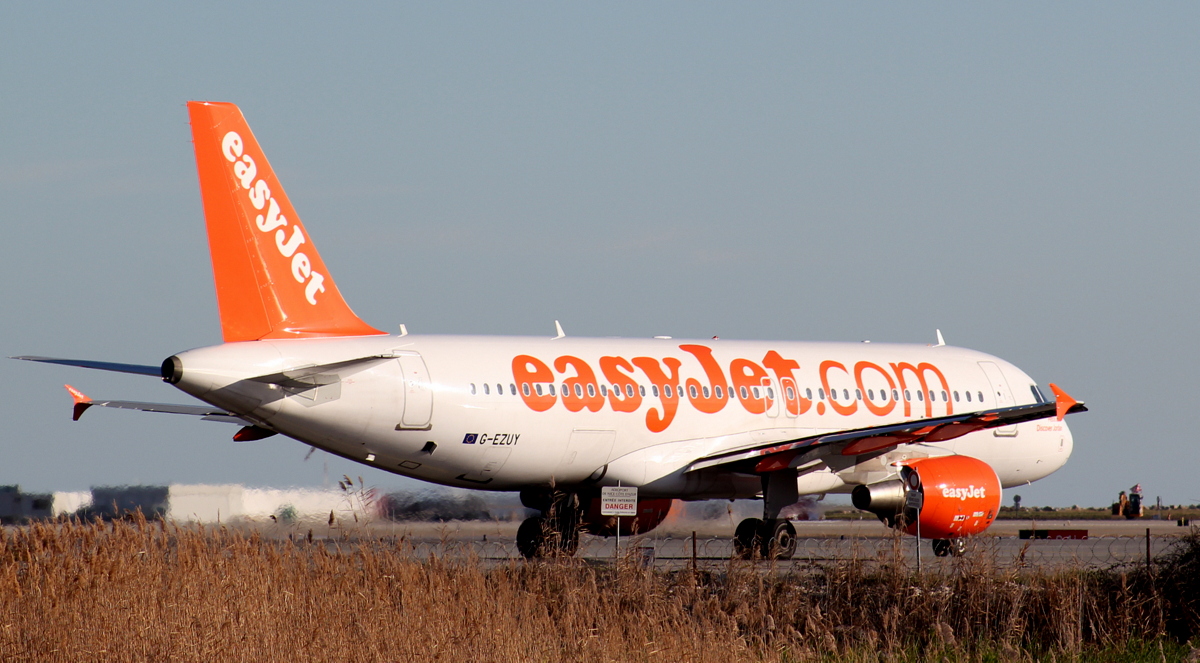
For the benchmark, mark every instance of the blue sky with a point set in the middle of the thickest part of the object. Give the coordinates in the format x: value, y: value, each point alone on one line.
x: 1021, y: 176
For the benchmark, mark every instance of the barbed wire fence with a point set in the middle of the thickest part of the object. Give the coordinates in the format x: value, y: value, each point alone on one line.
x: 672, y: 552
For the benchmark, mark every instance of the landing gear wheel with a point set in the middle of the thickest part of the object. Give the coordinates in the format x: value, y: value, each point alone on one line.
x: 746, y: 538
x: 531, y: 538
x: 566, y: 539
x: 958, y: 547
x: 945, y: 547
x: 542, y: 537
x: 778, y: 539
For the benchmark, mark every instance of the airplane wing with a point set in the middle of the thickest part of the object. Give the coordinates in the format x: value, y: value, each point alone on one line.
x: 779, y: 455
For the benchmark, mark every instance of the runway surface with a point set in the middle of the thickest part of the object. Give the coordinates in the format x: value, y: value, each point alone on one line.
x: 1108, y: 544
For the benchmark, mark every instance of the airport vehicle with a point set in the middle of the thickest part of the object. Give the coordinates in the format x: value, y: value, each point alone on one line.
x: 923, y: 436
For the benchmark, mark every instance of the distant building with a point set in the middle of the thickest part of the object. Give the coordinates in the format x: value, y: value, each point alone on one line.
x: 201, y: 503
x: 117, y: 501
x: 18, y: 507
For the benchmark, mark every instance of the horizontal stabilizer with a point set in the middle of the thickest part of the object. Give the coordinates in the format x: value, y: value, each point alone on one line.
x: 210, y: 413
x: 294, y: 376
x: 136, y: 369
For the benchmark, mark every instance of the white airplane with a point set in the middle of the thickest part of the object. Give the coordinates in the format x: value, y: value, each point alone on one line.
x: 923, y: 436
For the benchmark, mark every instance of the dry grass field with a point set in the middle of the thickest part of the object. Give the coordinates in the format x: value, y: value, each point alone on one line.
x: 147, y: 591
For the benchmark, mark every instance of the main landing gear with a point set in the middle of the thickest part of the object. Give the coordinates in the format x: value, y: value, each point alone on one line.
x: 556, y: 531
x: 771, y: 537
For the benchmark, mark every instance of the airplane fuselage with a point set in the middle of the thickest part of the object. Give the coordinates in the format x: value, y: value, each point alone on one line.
x: 504, y: 413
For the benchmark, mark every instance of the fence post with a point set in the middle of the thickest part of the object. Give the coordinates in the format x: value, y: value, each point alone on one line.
x: 1149, y: 561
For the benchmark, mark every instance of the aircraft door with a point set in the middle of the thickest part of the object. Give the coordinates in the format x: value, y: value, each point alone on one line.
x: 770, y: 398
x: 790, y: 394
x: 418, y: 393
x: 1001, y: 393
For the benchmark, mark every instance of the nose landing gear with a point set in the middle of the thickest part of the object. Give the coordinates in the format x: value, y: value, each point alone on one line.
x: 944, y: 547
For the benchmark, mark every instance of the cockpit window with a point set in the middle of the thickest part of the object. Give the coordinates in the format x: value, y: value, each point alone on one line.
x: 1037, y: 394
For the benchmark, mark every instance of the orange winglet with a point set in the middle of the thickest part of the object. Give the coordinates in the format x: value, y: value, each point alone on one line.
x: 1062, y: 401
x: 82, y: 402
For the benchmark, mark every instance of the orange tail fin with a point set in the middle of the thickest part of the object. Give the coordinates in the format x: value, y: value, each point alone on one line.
x: 271, y: 282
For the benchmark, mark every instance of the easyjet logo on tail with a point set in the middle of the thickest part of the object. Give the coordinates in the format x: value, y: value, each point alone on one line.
x: 271, y: 220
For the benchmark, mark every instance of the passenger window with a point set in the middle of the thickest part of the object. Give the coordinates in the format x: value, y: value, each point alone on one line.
x: 669, y: 390
x: 895, y: 394
x: 920, y: 395
x: 833, y: 394
x: 981, y: 397
x: 968, y: 397
x: 871, y: 394
x: 956, y: 397
x: 808, y: 393
x: 629, y: 391
x: 858, y: 394
x: 846, y: 394
x: 642, y: 391
x: 907, y: 395
x: 525, y: 388
x: 791, y: 394
x: 692, y: 391
x: 604, y: 390
x: 538, y: 388
x: 472, y: 388
x: 743, y: 393
x: 486, y: 390
x: 944, y: 399
x: 551, y: 388
x: 512, y: 388
x: 719, y: 392
x: 578, y: 390
x: 821, y: 393
x: 705, y: 390
x: 771, y: 393
x: 499, y: 389
x: 591, y: 390
x: 654, y: 390
x: 757, y: 394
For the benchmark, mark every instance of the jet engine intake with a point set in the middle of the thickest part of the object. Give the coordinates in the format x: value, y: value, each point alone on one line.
x: 945, y: 497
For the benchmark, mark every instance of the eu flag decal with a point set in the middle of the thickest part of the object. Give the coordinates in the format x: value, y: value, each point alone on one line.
x: 471, y: 438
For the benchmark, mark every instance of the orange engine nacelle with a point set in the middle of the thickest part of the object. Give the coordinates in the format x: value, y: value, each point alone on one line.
x: 948, y: 496
x: 650, y: 514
